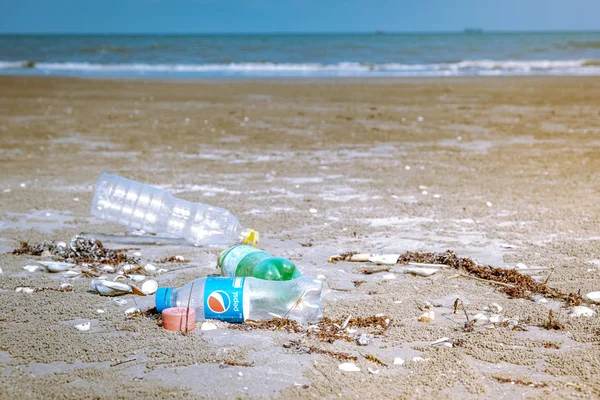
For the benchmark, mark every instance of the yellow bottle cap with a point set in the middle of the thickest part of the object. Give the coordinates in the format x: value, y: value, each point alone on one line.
x: 250, y: 237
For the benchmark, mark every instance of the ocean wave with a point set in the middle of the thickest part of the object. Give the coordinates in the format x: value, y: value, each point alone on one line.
x: 467, y: 67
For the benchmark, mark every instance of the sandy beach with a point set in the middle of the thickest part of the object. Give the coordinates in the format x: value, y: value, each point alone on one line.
x: 501, y: 170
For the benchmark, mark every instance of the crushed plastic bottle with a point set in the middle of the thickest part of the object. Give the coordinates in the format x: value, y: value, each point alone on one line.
x: 242, y: 260
x: 240, y: 299
x: 141, y: 206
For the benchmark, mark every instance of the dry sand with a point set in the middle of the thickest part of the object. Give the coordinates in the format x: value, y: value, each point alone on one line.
x: 389, y: 166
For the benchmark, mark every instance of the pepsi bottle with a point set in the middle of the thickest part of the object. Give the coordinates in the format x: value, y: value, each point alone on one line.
x: 240, y: 299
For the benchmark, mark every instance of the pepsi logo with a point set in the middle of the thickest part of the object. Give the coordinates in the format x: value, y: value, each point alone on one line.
x: 218, y: 301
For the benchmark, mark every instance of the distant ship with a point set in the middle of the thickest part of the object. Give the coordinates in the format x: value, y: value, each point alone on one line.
x: 473, y: 30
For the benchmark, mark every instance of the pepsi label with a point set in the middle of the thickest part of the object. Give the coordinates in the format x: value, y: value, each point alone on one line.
x: 223, y: 299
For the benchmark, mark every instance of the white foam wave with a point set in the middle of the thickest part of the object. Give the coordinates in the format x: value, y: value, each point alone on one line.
x: 468, y: 67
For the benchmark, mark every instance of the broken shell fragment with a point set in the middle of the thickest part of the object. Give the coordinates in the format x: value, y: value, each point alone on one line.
x: 67, y: 287
x: 110, y: 288
x: 131, y: 311
x: 208, y: 326
x: 71, y: 273
x: 137, y: 278
x: 421, y: 271
x: 149, y: 287
x: 389, y: 276
x: 108, y: 268
x: 373, y: 371
x: 349, y: 367
x: 120, y: 302
x: 495, y: 319
x: 384, y: 259
x: 83, y: 327
x: 442, y: 342
x: 56, y: 266
x: 495, y: 307
x: 427, y: 317
x: 22, y: 289
x: 149, y: 268
x: 581, y: 311
x: 594, y: 296
x: 32, y: 268
x: 364, y: 339
x: 398, y: 361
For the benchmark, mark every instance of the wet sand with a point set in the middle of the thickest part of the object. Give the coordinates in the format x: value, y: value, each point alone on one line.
x: 503, y: 170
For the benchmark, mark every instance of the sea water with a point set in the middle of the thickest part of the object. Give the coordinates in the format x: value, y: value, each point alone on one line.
x: 306, y: 55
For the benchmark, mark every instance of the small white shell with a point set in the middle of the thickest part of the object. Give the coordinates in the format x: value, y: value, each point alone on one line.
x: 56, y: 266
x: 495, y: 319
x: 427, y: 317
x: 594, y: 296
x: 349, y: 367
x: 161, y: 271
x: 373, y: 371
x: 180, y: 258
x: 120, y: 302
x: 389, y: 276
x: 149, y: 268
x: 66, y: 286
x: 581, y: 311
x: 32, y: 268
x: 1, y: 270
x: 521, y: 266
x: 61, y: 244
x: 385, y: 259
x: 137, y: 278
x: 71, y: 273
x: 100, y: 311
x: 110, y: 288
x: 128, y: 268
x: 83, y: 327
x: 321, y: 277
x: 480, y: 317
x: 137, y: 254
x: 108, y: 268
x: 418, y: 359
x: 398, y: 361
x: 495, y: 307
x: 442, y: 342
x: 208, y: 326
x: 314, y: 211
x: 421, y: 271
x: 149, y: 287
x: 131, y: 310
x: 24, y: 289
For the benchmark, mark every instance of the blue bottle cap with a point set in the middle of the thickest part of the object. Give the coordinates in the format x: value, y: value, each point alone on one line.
x: 163, y: 298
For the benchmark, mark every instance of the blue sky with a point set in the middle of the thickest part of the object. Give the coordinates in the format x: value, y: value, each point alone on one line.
x: 255, y: 16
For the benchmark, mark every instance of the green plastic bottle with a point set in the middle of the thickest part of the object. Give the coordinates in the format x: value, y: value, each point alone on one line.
x: 243, y: 260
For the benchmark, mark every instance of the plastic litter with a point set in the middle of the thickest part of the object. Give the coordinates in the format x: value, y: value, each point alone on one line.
x: 179, y: 319
x: 243, y: 260
x: 240, y: 299
x: 141, y: 206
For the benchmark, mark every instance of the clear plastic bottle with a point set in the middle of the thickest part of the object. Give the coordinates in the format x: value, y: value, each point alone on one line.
x: 243, y: 260
x: 240, y: 299
x: 141, y: 206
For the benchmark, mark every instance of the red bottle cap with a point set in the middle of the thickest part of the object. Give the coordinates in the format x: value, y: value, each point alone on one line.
x: 174, y: 319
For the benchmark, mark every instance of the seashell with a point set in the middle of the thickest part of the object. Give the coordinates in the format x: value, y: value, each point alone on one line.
x: 149, y: 268
x: 32, y: 268
x: 418, y: 359
x: 539, y: 299
x: 1, y: 270
x: 427, y: 317
x: 83, y: 327
x: 71, y: 273
x: 321, y: 277
x: 373, y: 371
x: 24, y: 289
x: 313, y: 211
x: 349, y: 367
x: 581, y: 311
x: 137, y: 254
x: 495, y: 307
x: 66, y: 286
x: 137, y: 278
x: 131, y: 310
x: 389, y: 276
x: 110, y: 288
x: 363, y: 339
x: 495, y: 319
x: 46, y: 254
x: 208, y: 326
x: 100, y: 311
x: 398, y: 361
x: 61, y: 244
x: 108, y: 268
x: 161, y: 271
x: 593, y: 296
x: 521, y: 266
x: 180, y: 258
x: 442, y: 342
x: 480, y: 317
x: 421, y: 271
x: 56, y: 266
x: 149, y: 287
x: 120, y: 302
x: 384, y: 259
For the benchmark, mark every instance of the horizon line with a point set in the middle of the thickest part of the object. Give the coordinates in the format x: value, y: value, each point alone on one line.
x: 468, y: 31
